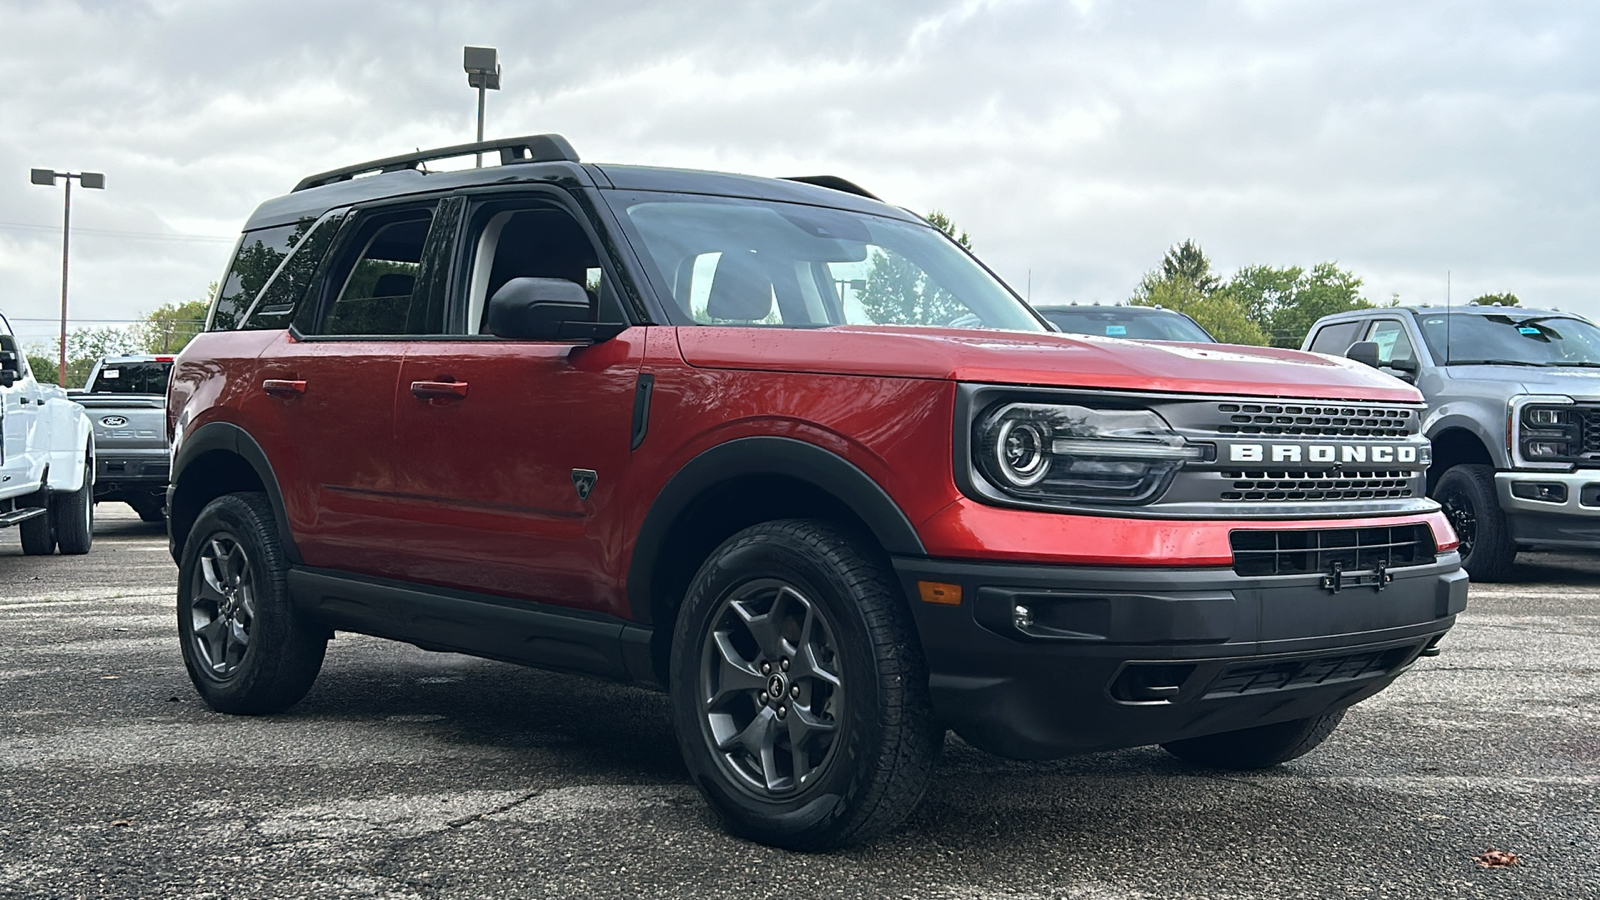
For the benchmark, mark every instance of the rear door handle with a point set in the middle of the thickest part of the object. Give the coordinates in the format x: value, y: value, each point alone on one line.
x: 439, y: 390
x: 283, y: 387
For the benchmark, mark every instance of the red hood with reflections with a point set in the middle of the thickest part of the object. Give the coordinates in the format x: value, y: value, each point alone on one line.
x: 1047, y: 359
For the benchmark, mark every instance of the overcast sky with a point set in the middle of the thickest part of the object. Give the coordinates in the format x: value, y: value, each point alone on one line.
x: 1075, y: 141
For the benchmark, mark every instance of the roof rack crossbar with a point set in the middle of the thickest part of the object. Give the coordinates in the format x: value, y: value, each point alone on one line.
x: 834, y: 182
x: 529, y: 148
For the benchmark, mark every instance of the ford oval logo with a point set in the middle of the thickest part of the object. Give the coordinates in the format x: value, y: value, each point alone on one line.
x: 113, y: 421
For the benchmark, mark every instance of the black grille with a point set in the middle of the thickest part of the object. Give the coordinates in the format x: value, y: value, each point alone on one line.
x: 1271, y: 486
x: 1589, y: 427
x: 1316, y: 421
x: 1258, y: 678
x: 1257, y: 553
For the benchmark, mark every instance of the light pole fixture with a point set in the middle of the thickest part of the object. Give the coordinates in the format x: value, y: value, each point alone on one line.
x: 483, y: 72
x: 47, y: 177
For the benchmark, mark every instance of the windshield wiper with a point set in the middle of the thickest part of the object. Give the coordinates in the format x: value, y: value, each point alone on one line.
x: 1497, y: 362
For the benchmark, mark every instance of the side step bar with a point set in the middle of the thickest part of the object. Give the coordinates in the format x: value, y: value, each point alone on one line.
x: 17, y: 516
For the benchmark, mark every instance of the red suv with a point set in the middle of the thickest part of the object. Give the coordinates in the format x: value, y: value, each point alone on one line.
x: 792, y: 455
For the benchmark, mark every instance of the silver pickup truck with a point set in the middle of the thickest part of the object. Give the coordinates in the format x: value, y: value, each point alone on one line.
x: 1513, y: 416
x: 125, y: 397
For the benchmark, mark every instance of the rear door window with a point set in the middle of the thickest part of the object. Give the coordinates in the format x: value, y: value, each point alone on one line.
x: 378, y: 281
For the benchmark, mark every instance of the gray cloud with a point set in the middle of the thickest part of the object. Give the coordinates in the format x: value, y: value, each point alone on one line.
x: 1075, y: 141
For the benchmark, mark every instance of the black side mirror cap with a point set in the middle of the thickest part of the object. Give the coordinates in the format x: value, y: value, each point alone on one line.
x: 1364, y: 352
x: 7, y: 377
x: 546, y: 309
x: 1403, y: 365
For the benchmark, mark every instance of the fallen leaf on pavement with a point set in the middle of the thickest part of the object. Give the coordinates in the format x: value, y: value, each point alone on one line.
x: 1497, y: 859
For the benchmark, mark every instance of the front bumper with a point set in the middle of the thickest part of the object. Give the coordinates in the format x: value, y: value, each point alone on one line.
x: 1551, y: 508
x: 1126, y: 657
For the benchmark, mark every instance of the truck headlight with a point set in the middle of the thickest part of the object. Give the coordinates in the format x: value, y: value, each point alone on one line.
x: 1550, y: 433
x: 1062, y: 452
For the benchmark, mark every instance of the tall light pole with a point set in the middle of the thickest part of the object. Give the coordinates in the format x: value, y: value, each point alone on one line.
x: 48, y: 178
x: 483, y: 72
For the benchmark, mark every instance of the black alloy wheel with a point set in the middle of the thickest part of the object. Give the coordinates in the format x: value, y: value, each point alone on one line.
x: 770, y: 687
x: 799, y: 691
x: 1468, y: 497
x: 246, y: 648
x: 223, y: 606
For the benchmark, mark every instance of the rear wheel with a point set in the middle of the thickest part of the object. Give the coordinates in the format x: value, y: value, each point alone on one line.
x: 38, y: 534
x: 247, y: 649
x: 799, y: 689
x: 1257, y: 748
x: 74, y: 514
x: 1467, y: 494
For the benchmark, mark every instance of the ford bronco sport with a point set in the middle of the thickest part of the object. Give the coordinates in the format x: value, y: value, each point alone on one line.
x: 794, y: 456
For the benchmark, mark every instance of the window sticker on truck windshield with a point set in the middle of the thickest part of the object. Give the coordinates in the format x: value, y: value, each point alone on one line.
x: 1527, y: 329
x: 1116, y: 330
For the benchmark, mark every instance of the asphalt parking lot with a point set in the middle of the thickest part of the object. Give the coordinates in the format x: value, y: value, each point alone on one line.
x: 412, y: 774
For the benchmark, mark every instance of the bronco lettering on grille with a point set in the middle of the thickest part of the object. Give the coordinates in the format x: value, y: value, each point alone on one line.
x: 1322, y: 453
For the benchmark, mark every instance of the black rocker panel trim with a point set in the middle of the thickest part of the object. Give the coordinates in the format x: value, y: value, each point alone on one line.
x: 500, y: 628
x: 765, y: 455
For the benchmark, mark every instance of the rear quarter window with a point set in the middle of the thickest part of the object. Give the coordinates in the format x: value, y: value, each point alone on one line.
x: 260, y: 254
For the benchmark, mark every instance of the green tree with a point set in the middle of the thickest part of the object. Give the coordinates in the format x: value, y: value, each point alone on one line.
x: 1506, y: 299
x: 898, y: 291
x: 168, y: 328
x: 1285, y: 302
x: 45, y: 367
x: 1216, y: 311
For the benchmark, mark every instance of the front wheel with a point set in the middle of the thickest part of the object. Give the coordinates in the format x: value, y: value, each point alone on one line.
x: 1257, y: 748
x: 800, y: 695
x: 1467, y: 494
x: 247, y: 649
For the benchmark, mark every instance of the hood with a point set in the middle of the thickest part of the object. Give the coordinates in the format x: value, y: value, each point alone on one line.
x: 1045, y: 359
x: 1575, y: 382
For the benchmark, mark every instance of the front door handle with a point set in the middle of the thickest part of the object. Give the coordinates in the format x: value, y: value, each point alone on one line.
x: 283, y: 387
x: 439, y: 390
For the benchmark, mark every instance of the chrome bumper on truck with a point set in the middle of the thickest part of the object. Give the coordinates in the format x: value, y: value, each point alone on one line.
x: 1037, y: 661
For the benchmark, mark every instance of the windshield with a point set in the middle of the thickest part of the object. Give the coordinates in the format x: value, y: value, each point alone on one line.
x: 132, y: 378
x: 728, y: 261
x: 1124, y: 322
x: 1511, y: 340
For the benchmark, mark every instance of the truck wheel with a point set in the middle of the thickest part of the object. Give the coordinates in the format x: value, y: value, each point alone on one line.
x: 38, y: 534
x: 1257, y: 748
x: 74, y: 515
x: 1468, y: 496
x: 800, y: 695
x: 247, y: 649
x: 149, y: 510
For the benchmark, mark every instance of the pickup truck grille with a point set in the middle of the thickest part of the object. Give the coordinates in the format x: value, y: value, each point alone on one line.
x: 1590, y: 429
x: 1257, y: 553
x: 1290, y: 486
x: 1316, y: 420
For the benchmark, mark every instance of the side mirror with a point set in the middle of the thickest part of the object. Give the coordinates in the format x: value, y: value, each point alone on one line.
x: 1364, y: 352
x: 1404, y: 365
x: 546, y: 309
x: 10, y: 368
x: 7, y: 378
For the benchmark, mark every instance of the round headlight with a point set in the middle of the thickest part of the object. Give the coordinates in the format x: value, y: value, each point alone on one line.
x: 1022, y: 450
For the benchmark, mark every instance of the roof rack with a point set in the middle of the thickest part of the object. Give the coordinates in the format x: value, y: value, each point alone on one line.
x: 834, y: 182
x: 531, y: 148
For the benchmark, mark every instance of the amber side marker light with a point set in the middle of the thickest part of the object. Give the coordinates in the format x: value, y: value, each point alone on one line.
x: 940, y: 593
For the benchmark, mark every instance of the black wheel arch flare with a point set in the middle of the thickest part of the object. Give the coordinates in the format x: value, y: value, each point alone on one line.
x: 229, y: 438
x: 754, y: 456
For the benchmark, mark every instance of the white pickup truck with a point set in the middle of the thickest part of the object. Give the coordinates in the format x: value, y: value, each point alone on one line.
x: 46, y: 458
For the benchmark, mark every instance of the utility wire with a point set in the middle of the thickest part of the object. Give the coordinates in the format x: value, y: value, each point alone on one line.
x: 139, y: 235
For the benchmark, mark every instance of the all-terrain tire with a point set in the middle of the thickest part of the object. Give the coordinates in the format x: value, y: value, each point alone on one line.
x: 1257, y: 748
x: 38, y: 534
x: 247, y: 649
x: 1468, y: 496
x: 800, y: 693
x: 73, y: 512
